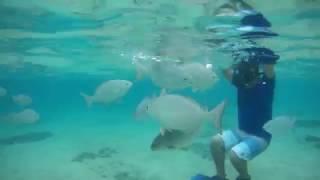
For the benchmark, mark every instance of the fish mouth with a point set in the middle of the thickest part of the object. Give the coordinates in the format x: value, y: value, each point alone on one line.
x: 138, y: 115
x: 156, y: 147
x: 153, y: 148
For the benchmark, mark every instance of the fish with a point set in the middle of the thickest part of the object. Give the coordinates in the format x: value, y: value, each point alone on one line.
x: 26, y: 138
x: 108, y: 92
x: 142, y: 2
x: 85, y: 156
x: 177, y: 139
x: 106, y: 152
x: 173, y: 139
x: 232, y: 8
x: 308, y: 123
x: 313, y: 139
x: 202, y: 76
x: 26, y: 116
x: 3, y: 92
x: 280, y: 125
x: 176, y: 112
x: 198, y: 2
x: 164, y: 74
x: 22, y: 100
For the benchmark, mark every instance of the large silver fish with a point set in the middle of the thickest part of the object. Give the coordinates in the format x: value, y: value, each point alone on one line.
x: 176, y: 112
x: 164, y: 74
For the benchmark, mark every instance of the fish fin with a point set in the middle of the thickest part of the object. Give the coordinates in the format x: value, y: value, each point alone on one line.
x: 157, y: 65
x: 185, y: 148
x: 194, y: 90
x: 139, y: 76
x: 141, y: 71
x: 163, y: 92
x: 171, y: 130
x: 294, y: 121
x: 216, y: 115
x: 87, y: 98
x: 119, y: 100
x: 179, y: 62
x: 153, y: 95
x: 162, y: 131
x: 206, y: 108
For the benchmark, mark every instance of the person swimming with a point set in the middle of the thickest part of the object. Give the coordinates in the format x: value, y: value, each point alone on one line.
x: 253, y: 76
x: 255, y: 91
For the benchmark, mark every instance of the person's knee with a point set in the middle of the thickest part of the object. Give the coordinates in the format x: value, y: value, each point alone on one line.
x: 234, y: 157
x: 217, y: 142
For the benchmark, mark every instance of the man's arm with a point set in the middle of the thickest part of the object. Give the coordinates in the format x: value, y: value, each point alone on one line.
x: 228, y: 73
x: 268, y: 70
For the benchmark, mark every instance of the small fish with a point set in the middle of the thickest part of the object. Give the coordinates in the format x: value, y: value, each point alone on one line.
x: 202, y: 76
x: 232, y: 8
x: 310, y: 138
x: 164, y: 74
x: 200, y: 2
x: 108, y: 92
x: 142, y: 2
x: 3, y: 92
x: 85, y: 156
x: 280, y: 125
x: 27, y: 116
x: 26, y: 138
x: 308, y: 123
x: 22, y: 100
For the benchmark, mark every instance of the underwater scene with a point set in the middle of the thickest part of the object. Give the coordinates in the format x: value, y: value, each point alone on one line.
x: 150, y: 89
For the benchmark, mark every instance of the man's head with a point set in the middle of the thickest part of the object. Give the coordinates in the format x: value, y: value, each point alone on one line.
x: 246, y: 74
x: 246, y: 70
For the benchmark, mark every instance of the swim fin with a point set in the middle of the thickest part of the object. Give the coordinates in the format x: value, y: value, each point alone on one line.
x: 203, y: 177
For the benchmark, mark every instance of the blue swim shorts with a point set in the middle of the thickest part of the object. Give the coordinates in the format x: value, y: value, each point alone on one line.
x: 245, y: 146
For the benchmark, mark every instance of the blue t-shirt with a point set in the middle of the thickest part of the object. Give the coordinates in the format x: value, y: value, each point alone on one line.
x: 255, y: 107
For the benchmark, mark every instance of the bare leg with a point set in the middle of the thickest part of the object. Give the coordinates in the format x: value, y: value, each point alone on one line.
x: 240, y: 165
x: 218, y: 154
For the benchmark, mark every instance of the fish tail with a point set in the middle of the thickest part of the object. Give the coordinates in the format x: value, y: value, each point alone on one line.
x: 216, y: 114
x: 87, y: 98
x: 140, y: 71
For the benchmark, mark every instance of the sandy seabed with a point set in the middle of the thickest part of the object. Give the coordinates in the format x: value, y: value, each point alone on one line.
x: 120, y: 151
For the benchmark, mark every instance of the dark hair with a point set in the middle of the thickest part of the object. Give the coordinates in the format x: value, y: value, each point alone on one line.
x: 246, y: 74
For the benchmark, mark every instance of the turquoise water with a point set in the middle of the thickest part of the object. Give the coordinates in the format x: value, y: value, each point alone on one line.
x: 53, y: 50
